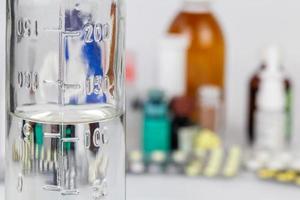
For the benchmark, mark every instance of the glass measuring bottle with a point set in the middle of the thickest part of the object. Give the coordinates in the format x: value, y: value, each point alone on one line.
x: 65, y: 97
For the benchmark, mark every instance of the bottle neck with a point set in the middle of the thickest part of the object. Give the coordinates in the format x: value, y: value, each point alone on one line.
x: 194, y: 6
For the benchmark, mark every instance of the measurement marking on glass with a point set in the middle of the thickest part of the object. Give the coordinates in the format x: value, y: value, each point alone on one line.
x: 20, y: 183
x: 62, y: 85
x: 27, y: 27
x: 20, y: 79
x: 52, y: 188
x: 73, y: 140
x: 70, y: 192
x: 99, y: 137
x: 28, y: 80
x: 96, y: 32
x: 97, y: 85
x: 87, y: 139
x: 90, y: 32
x: 52, y: 135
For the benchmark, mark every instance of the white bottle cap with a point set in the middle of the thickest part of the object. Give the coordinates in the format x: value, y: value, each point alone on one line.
x: 272, y: 58
x: 135, y: 156
x: 158, y: 157
x: 179, y: 157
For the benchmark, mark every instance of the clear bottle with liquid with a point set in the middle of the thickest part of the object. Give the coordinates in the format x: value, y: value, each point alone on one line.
x: 65, y: 136
x: 205, y: 54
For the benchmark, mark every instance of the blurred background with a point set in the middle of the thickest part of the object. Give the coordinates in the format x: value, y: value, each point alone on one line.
x: 205, y: 80
x: 248, y: 27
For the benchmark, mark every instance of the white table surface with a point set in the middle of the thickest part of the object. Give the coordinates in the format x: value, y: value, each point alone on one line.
x: 245, y: 187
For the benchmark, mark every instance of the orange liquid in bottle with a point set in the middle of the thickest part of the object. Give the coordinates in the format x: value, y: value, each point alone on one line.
x: 205, y: 54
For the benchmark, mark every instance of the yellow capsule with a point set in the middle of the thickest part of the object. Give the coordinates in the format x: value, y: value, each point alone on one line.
x: 266, y: 173
x: 193, y: 169
x: 287, y: 176
x: 282, y: 177
x: 214, y: 164
x: 207, y: 140
x: 292, y: 175
x: 297, y: 180
x: 233, y: 162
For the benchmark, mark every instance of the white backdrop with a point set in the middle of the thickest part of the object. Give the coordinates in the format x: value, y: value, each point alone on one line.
x: 249, y: 25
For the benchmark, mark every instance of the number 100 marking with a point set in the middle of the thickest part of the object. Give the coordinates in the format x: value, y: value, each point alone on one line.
x: 96, y: 32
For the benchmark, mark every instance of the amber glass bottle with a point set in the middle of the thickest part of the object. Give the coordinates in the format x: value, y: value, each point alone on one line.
x: 206, y: 48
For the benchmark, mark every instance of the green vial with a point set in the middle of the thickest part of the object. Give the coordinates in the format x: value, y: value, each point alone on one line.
x: 156, y: 124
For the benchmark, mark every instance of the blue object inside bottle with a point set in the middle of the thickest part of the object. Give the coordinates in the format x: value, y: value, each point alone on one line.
x: 91, y: 53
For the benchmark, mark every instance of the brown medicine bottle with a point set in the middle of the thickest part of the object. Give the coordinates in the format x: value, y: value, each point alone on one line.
x: 206, y: 46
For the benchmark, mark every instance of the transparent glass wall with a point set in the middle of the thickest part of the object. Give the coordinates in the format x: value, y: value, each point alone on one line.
x: 65, y: 97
